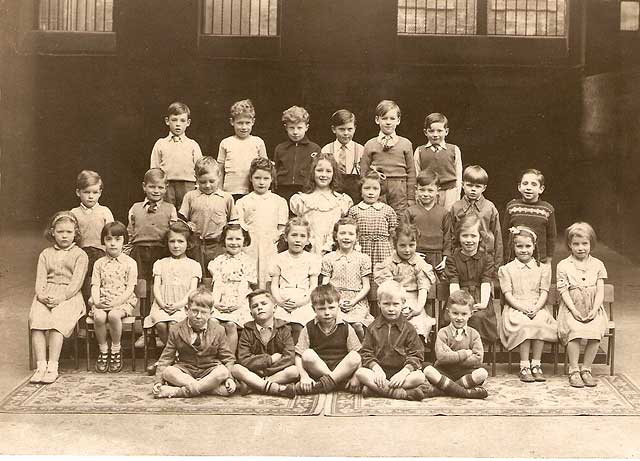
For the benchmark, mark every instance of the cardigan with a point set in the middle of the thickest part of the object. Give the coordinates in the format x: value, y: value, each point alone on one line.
x: 256, y: 356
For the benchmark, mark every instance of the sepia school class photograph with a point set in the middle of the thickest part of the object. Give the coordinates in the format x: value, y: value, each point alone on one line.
x: 340, y: 228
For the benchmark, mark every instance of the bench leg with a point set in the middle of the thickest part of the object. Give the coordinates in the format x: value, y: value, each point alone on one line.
x: 612, y: 351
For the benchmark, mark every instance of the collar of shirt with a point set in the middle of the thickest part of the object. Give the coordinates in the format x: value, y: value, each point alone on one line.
x: 351, y: 146
x: 442, y: 145
x: 466, y: 257
x: 338, y: 322
x: 376, y: 206
x: 119, y: 258
x: 86, y: 208
x: 477, y: 204
x: 146, y: 203
x: 453, y: 330
x: 266, y: 327
x: 55, y: 245
x: 218, y: 192
x: 194, y: 332
x: 173, y: 138
x: 398, y: 323
x: 413, y: 260
x: 304, y: 140
x: 393, y: 139
x: 580, y: 265
x: 340, y: 255
x: 529, y: 265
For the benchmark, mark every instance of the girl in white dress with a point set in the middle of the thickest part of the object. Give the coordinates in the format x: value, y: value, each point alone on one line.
x: 58, y: 304
x: 526, y: 320
x: 321, y: 204
x: 174, y: 278
x: 294, y: 274
x: 264, y: 214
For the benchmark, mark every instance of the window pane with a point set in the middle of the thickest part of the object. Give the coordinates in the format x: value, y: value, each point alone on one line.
x: 76, y: 15
x: 629, y: 16
x: 538, y: 18
x: 240, y: 17
x: 447, y: 17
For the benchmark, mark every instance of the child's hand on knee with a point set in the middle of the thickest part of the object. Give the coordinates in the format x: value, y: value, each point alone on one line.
x: 399, y: 378
x: 379, y: 377
x: 306, y: 383
x: 230, y: 385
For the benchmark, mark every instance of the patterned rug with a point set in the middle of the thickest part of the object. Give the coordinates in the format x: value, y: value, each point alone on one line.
x: 614, y: 395
x: 86, y: 393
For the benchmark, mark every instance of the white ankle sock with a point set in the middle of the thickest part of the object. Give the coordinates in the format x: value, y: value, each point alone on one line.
x: 53, y: 366
x: 535, y: 363
x: 103, y: 348
x: 41, y: 365
x: 115, y: 348
x: 525, y: 364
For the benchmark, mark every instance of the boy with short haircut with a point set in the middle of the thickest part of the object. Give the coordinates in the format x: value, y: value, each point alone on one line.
x: 91, y: 218
x: 474, y: 183
x: 346, y: 151
x: 327, y: 349
x: 531, y: 212
x: 149, y: 222
x: 265, y: 350
x: 197, y: 359
x: 392, y: 353
x: 293, y: 157
x: 391, y: 155
x: 442, y: 157
x: 207, y: 210
x: 458, y: 369
x: 432, y: 220
x: 176, y: 154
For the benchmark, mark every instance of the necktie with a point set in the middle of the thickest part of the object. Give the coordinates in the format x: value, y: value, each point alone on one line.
x: 152, y: 207
x: 265, y: 335
x: 342, y: 159
x: 459, y: 334
x: 176, y: 138
x: 198, y: 342
x: 386, y: 146
x: 436, y: 147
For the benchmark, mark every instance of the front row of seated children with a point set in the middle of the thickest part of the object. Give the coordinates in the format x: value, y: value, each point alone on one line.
x: 328, y: 355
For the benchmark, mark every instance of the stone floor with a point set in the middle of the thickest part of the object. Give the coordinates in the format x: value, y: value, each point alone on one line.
x: 309, y: 436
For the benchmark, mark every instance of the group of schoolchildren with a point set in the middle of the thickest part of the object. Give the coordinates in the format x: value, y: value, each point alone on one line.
x: 289, y: 308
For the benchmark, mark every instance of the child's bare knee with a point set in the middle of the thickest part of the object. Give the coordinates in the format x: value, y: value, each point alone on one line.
x: 308, y: 357
x: 353, y: 359
x: 221, y: 372
x: 99, y: 317
x: 238, y: 370
x: 431, y: 373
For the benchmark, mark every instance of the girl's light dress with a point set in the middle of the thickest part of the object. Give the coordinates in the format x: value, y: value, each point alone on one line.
x: 414, y: 274
x: 175, y: 275
x: 580, y: 281
x: 526, y: 282
x: 59, y: 272
x: 113, y: 275
x: 231, y: 278
x: 261, y: 215
x: 322, y: 210
x: 346, y: 272
x: 295, y: 274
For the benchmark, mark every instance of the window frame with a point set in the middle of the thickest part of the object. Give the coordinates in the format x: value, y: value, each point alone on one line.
x: 241, y: 47
x: 36, y: 41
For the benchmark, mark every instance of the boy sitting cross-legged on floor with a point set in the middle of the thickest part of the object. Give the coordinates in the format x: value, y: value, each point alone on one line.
x: 265, y: 350
x: 327, y: 349
x: 458, y: 369
x: 392, y: 351
x: 197, y: 359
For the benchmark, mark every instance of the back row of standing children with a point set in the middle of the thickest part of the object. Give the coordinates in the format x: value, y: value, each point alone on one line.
x: 312, y: 180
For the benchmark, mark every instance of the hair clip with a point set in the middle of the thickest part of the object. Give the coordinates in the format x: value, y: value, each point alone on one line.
x: 517, y: 230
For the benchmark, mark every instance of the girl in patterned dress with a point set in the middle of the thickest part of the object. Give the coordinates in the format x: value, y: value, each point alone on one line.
x: 471, y: 269
x: 349, y: 271
x: 57, y: 305
x: 112, y: 295
x: 175, y: 278
x: 526, y: 321
x: 414, y: 274
x: 321, y: 204
x: 376, y: 222
x: 264, y: 214
x: 234, y: 276
x: 581, y: 314
x: 294, y: 274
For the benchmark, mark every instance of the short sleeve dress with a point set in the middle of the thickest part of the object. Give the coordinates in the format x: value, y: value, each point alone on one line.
x: 261, y: 215
x: 232, y: 276
x: 414, y: 274
x: 525, y: 281
x: 470, y: 272
x: 345, y: 272
x: 295, y: 274
x: 113, y: 275
x: 580, y: 280
x: 322, y: 210
x: 60, y: 272
x: 175, y: 275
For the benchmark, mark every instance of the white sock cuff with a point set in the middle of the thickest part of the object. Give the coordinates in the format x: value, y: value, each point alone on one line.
x: 535, y: 362
x: 525, y: 364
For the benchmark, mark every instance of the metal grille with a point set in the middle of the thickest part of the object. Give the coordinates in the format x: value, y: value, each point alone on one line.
x: 538, y: 18
x: 441, y: 17
x: 75, y: 15
x: 249, y: 18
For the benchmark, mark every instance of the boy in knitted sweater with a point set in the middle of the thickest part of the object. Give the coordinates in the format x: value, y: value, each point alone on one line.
x: 327, y: 350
